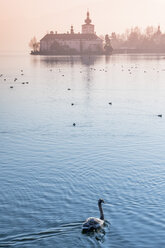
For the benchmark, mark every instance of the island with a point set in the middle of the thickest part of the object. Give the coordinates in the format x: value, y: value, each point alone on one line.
x: 71, y: 43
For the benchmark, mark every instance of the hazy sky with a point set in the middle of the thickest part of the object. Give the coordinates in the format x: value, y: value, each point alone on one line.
x: 20, y: 20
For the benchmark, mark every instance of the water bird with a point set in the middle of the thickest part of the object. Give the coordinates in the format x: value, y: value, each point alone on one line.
x: 92, y: 223
x: 110, y: 103
x: 72, y: 104
x: 69, y: 89
x: 11, y: 87
x: 15, y: 79
x: 74, y: 124
x: 159, y: 115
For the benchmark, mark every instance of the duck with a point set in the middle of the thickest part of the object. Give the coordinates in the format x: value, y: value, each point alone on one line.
x: 92, y: 223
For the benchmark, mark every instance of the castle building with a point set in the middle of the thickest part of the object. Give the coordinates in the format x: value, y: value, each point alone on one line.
x: 86, y: 42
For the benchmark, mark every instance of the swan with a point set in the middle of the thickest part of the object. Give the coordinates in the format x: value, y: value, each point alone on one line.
x: 92, y: 223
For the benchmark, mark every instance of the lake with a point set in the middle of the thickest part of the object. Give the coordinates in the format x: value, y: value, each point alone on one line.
x: 53, y: 173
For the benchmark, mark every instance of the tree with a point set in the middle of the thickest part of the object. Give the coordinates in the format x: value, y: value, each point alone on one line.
x: 34, y: 44
x: 108, y: 47
x: 149, y: 32
x: 113, y: 36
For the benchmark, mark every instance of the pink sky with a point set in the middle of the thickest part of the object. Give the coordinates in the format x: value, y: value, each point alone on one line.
x: 20, y: 20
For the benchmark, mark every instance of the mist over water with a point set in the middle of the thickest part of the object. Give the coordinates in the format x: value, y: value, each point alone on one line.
x: 53, y: 173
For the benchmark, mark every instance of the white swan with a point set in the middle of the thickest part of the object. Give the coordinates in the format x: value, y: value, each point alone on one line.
x: 92, y: 223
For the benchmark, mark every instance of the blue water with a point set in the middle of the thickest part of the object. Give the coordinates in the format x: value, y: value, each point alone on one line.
x: 53, y: 173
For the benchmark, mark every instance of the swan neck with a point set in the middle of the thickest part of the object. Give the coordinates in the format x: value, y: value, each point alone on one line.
x: 101, y: 211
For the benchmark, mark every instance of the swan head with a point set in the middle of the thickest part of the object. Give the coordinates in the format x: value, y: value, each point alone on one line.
x: 100, y: 201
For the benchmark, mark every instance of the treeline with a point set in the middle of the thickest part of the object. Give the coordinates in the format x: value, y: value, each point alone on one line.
x: 149, y: 39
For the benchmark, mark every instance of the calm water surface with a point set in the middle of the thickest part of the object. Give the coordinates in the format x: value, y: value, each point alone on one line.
x: 52, y: 174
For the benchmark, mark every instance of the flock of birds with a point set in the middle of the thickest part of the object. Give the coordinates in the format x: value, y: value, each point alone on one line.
x: 72, y: 104
x: 94, y: 69
x: 14, y: 80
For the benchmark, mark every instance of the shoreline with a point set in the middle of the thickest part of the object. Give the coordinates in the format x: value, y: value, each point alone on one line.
x: 115, y: 51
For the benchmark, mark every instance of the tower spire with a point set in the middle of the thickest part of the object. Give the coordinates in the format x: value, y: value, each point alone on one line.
x: 88, y: 20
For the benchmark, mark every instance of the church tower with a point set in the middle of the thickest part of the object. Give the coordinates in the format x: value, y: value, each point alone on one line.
x: 88, y: 28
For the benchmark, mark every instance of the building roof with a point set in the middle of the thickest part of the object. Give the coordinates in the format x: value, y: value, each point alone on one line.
x: 69, y: 36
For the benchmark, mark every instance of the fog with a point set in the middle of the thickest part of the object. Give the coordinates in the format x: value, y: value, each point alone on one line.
x: 20, y: 20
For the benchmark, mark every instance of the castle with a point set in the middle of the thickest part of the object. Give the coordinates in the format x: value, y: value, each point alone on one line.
x: 86, y: 42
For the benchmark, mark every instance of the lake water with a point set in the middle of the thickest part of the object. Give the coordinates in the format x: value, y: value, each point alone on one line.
x: 53, y: 173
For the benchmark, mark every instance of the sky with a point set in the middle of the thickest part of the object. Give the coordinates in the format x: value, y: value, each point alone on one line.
x: 20, y: 20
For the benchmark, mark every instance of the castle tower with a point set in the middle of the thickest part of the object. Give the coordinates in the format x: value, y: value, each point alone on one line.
x: 88, y: 28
